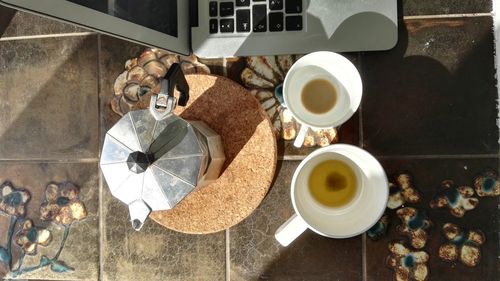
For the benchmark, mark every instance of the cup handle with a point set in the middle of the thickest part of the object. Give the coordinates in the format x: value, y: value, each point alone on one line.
x: 290, y: 230
x: 299, y: 139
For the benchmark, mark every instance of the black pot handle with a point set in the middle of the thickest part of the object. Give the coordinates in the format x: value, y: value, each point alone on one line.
x: 176, y: 80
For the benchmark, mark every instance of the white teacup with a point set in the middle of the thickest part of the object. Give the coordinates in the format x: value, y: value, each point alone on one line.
x: 351, y: 219
x: 337, y: 70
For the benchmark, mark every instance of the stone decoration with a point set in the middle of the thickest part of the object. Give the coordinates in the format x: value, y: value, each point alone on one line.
x: 264, y: 76
x: 406, y: 263
x: 379, y: 229
x: 414, y: 225
x: 458, y: 199
x: 487, y: 184
x: 403, y: 191
x: 142, y: 75
x: 462, y: 245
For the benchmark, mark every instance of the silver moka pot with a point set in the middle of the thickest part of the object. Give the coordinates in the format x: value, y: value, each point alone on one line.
x: 152, y: 159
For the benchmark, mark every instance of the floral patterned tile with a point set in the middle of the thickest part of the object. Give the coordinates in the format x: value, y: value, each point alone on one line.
x: 256, y: 255
x: 458, y: 248
x: 49, y: 107
x: 156, y: 253
x: 435, y: 92
x: 50, y: 212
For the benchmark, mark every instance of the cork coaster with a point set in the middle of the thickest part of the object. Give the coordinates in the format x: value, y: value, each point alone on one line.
x: 251, y: 155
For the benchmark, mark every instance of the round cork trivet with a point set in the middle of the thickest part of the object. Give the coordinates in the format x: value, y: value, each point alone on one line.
x: 251, y: 155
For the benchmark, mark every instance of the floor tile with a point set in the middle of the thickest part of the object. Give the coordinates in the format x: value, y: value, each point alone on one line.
x: 156, y: 253
x: 434, y: 93
x: 427, y: 177
x: 418, y: 7
x: 81, y: 250
x: 25, y: 24
x: 256, y: 255
x: 49, y: 108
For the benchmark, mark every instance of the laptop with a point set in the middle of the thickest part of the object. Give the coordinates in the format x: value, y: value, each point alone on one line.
x: 229, y: 28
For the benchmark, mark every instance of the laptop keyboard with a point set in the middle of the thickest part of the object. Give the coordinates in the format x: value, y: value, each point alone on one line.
x: 245, y: 16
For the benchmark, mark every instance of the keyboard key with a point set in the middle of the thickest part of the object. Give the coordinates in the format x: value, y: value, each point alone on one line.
x: 242, y: 3
x: 226, y: 25
x: 259, y: 18
x: 243, y: 20
x: 275, y: 4
x: 275, y: 21
x: 259, y: 0
x: 294, y: 23
x: 212, y: 9
x: 226, y: 9
x: 293, y: 6
x: 213, y: 25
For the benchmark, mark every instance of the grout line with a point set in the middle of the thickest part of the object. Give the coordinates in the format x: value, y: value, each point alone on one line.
x: 363, y: 256
x: 360, y: 109
x: 99, y: 86
x: 47, y: 36
x: 70, y: 161
x: 101, y: 229
x: 439, y: 156
x: 228, y: 257
x: 473, y: 15
x: 100, y: 210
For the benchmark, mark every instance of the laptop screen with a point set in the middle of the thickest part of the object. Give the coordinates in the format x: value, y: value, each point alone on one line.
x: 159, y: 15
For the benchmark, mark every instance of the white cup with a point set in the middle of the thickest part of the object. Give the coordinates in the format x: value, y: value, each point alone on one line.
x: 336, y: 69
x: 349, y: 220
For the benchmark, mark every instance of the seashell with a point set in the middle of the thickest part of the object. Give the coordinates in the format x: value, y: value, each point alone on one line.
x: 155, y: 68
x: 264, y: 75
x: 131, y: 92
x: 168, y: 60
x: 146, y: 57
x: 189, y: 68
x: 120, y: 83
x: 129, y: 64
x: 160, y: 53
x: 290, y: 127
x: 150, y: 82
x: 136, y: 74
x: 134, y: 87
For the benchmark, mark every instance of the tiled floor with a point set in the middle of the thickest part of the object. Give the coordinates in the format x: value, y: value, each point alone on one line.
x: 429, y: 108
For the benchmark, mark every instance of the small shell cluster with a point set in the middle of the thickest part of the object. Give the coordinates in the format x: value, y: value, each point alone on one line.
x: 406, y: 263
x: 459, y: 199
x: 402, y: 191
x: 264, y: 75
x: 463, y: 245
x: 414, y: 225
x: 142, y: 76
